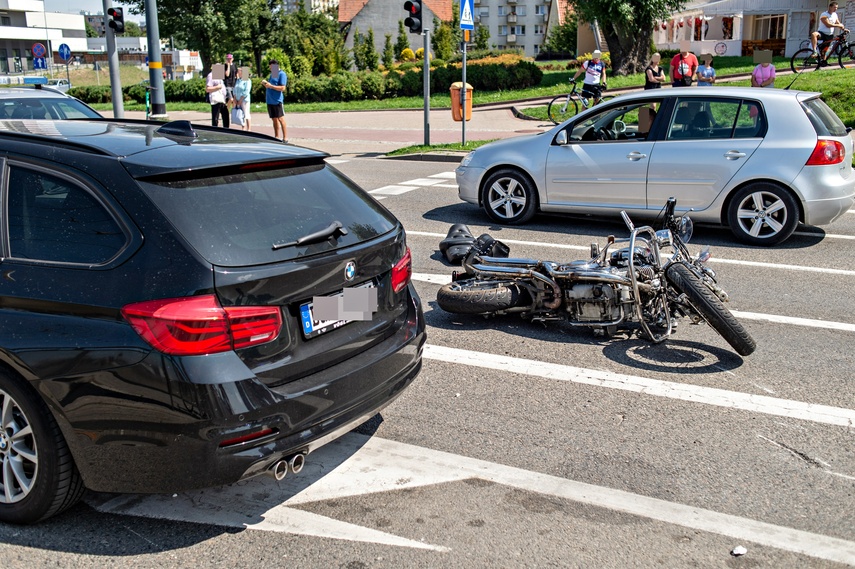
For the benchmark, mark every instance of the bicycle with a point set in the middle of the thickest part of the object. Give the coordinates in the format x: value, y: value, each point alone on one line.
x: 805, y: 59
x: 146, y: 84
x: 563, y: 107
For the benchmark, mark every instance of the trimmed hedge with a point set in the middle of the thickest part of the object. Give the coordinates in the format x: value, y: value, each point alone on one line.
x: 495, y: 74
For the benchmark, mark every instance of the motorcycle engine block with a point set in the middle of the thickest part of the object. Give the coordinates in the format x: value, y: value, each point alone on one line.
x: 595, y: 302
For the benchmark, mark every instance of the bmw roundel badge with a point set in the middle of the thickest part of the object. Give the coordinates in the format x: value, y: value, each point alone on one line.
x: 350, y: 271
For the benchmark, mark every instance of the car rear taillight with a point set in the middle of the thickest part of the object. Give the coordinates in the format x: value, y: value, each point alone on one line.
x: 402, y: 272
x: 198, y: 325
x: 826, y: 153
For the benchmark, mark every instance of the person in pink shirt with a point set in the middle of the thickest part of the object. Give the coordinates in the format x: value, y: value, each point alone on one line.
x: 763, y: 75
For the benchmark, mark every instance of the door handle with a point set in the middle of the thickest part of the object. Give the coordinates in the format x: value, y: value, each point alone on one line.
x: 734, y: 154
x: 636, y: 156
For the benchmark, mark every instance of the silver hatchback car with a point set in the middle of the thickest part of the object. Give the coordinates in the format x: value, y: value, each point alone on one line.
x: 756, y: 160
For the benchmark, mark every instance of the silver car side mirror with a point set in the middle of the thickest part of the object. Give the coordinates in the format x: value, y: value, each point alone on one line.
x: 561, y: 138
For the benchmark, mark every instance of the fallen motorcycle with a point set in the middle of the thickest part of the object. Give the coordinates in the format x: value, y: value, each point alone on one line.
x: 645, y: 286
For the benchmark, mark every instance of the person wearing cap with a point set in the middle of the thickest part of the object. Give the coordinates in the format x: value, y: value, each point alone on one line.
x: 229, y: 78
x: 595, y: 76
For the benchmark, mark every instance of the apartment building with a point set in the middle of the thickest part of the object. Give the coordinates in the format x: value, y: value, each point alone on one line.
x: 517, y: 24
x: 24, y: 23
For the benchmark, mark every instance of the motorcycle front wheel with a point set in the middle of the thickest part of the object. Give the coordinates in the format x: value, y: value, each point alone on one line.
x: 711, y: 309
x: 477, y: 297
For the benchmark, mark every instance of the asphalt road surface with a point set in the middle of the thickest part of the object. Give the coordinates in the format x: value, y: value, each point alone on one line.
x: 524, y: 445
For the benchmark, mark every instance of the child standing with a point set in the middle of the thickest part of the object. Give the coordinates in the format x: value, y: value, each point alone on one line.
x: 706, y: 73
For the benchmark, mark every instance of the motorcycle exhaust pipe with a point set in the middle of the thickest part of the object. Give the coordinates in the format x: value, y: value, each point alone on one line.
x: 296, y: 463
x: 279, y: 469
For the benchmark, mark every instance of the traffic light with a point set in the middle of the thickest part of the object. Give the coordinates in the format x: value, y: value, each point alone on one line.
x: 414, y: 20
x: 118, y: 21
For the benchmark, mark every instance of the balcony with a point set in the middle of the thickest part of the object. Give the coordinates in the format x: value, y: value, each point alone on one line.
x: 512, y: 38
x: 512, y: 1
x: 512, y: 18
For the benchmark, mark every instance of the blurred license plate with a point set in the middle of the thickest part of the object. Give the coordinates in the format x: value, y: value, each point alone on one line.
x: 312, y: 326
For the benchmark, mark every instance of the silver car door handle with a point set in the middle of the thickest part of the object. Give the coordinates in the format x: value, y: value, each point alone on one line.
x: 635, y: 156
x: 734, y: 154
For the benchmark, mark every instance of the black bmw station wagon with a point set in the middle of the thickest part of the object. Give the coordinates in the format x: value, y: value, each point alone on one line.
x: 161, y: 327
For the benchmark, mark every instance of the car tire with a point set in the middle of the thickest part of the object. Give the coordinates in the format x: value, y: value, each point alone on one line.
x: 509, y: 197
x: 38, y: 475
x: 763, y: 214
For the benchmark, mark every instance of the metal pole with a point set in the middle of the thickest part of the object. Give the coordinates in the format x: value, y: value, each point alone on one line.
x: 47, y: 37
x: 113, y: 62
x: 155, y: 64
x: 426, y: 74
x: 463, y: 95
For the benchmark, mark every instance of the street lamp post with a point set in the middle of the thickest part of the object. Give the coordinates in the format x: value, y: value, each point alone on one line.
x: 47, y: 37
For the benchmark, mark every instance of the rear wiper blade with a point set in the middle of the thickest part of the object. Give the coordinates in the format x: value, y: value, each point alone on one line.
x: 335, y: 229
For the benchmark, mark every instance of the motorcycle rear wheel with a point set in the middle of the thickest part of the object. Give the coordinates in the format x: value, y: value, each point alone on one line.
x: 710, y: 307
x: 477, y: 297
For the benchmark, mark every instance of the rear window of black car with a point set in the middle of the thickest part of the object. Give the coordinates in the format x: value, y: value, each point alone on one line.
x: 236, y: 219
x: 823, y: 119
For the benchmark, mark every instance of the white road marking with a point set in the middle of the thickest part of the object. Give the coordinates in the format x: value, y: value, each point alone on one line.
x: 713, y: 260
x: 778, y: 319
x: 393, y: 190
x: 823, y: 235
x: 446, y: 175
x: 422, y: 182
x: 764, y: 404
x: 336, y: 161
x: 357, y: 465
x: 453, y: 186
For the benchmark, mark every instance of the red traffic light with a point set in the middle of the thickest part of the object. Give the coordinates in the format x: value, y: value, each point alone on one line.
x: 414, y: 21
x: 118, y: 21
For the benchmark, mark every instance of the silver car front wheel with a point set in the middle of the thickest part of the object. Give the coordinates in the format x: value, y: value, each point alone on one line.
x: 509, y: 197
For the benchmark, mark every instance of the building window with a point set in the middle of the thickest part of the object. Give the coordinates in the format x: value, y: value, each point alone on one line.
x: 520, y: 10
x: 485, y: 11
x: 536, y: 49
x: 5, y: 21
x: 769, y: 27
x: 538, y: 29
x: 540, y: 10
x: 518, y: 30
x: 503, y: 10
x: 503, y: 30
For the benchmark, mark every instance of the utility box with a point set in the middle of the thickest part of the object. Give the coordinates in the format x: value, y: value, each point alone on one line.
x: 456, y: 114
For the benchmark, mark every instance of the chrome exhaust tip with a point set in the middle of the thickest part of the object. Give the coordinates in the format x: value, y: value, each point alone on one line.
x: 279, y: 469
x: 297, y: 462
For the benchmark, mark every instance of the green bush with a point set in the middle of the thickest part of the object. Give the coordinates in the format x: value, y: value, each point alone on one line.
x: 92, y: 93
x: 373, y: 84
x: 412, y: 83
x: 301, y: 66
x: 394, y: 86
x: 407, y: 65
x: 347, y: 86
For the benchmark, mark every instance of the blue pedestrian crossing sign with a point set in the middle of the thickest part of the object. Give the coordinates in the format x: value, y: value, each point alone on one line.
x: 467, y: 21
x: 65, y: 51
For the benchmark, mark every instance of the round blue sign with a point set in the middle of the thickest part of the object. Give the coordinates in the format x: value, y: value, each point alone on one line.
x: 65, y: 51
x: 39, y: 50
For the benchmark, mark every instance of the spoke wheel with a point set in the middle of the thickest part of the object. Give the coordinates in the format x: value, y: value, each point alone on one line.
x: 509, y: 197
x: 38, y: 478
x: 803, y: 61
x: 763, y: 214
x: 847, y: 55
x: 562, y: 108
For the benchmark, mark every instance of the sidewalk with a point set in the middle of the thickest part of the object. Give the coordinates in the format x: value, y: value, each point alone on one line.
x: 374, y: 133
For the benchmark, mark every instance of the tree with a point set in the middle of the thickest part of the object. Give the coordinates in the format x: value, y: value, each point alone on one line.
x: 482, y: 37
x: 91, y: 32
x: 562, y: 39
x: 442, y: 40
x: 388, y: 53
x: 628, y: 27
x: 358, y: 49
x: 403, y: 41
x: 372, y: 60
x: 133, y: 30
x: 315, y: 36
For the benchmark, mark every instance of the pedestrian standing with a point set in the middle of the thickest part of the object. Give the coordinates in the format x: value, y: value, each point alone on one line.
x: 655, y: 75
x: 706, y: 73
x: 275, y: 94
x: 230, y: 78
x: 216, y: 90
x: 683, y: 68
x: 243, y: 89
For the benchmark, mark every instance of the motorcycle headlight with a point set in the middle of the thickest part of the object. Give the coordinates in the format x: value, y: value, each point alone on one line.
x: 467, y: 159
x: 663, y: 238
x: 685, y: 227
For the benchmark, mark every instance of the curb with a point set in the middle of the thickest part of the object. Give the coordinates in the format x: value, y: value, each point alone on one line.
x: 439, y: 156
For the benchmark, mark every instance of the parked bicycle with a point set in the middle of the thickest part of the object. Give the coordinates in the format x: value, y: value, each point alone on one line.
x: 807, y: 60
x: 563, y: 107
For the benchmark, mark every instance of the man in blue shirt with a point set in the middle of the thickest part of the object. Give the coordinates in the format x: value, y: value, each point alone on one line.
x: 275, y: 86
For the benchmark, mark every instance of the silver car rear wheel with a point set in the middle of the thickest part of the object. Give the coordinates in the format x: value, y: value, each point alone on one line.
x: 19, y: 457
x: 509, y: 197
x: 763, y: 214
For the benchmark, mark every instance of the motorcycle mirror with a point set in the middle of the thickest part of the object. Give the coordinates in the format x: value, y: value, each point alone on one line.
x: 627, y: 220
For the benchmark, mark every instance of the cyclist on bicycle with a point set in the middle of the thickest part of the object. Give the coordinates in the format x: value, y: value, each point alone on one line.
x: 595, y: 76
x: 825, y: 30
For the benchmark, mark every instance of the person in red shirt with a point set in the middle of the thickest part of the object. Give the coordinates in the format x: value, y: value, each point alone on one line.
x: 684, y: 65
